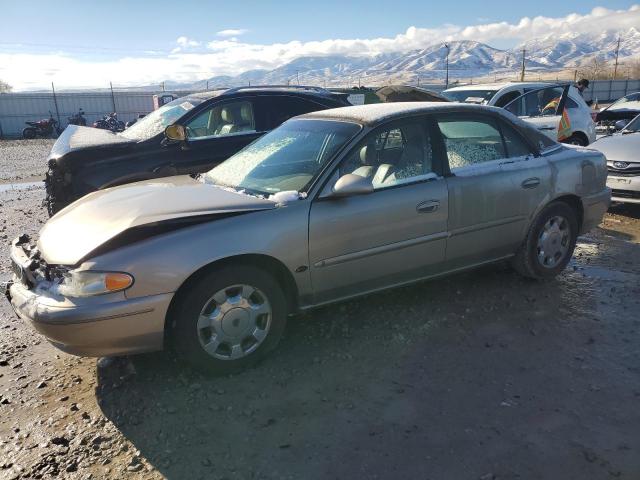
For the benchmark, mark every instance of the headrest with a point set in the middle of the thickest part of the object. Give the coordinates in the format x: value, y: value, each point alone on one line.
x: 245, y: 113
x: 227, y: 114
x: 368, y: 154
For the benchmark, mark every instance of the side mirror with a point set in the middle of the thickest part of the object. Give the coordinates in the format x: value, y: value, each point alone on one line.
x: 620, y: 124
x: 351, y: 184
x: 175, y: 133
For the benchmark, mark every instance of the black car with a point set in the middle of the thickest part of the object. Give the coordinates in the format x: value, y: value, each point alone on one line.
x: 216, y: 125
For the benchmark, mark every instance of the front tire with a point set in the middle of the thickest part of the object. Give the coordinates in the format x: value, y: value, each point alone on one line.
x: 549, y: 243
x: 228, y: 319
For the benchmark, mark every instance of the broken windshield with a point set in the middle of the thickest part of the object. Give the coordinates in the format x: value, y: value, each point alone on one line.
x: 155, y: 123
x: 286, y: 159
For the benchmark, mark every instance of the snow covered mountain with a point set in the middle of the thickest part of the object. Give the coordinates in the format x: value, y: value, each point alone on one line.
x: 466, y: 59
x: 573, y: 49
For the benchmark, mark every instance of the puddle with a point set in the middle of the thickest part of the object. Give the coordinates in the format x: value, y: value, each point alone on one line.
x: 8, y: 187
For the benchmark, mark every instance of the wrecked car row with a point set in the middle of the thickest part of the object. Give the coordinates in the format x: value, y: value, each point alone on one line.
x: 330, y: 205
x: 217, y: 125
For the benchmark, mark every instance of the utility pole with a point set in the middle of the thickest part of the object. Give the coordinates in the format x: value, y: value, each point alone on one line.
x: 615, y: 68
x: 207, y: 85
x: 298, y: 77
x: 113, y: 97
x: 55, y: 102
x: 524, y: 52
x: 446, y: 79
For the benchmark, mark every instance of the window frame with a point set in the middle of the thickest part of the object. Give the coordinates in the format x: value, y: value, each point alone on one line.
x: 498, y: 123
x: 220, y: 103
x: 439, y: 164
x: 474, y: 116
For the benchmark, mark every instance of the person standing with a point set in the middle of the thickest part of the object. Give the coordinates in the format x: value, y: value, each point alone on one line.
x: 582, y: 85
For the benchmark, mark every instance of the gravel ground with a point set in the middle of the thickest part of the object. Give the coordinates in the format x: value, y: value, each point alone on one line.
x: 481, y: 375
x: 24, y: 159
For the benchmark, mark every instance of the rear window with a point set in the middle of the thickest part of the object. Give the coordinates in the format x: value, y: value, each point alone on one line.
x: 470, y: 96
x: 537, y: 138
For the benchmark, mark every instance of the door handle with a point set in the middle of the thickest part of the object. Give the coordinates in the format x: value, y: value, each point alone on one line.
x: 428, y: 206
x: 546, y: 128
x: 530, y: 182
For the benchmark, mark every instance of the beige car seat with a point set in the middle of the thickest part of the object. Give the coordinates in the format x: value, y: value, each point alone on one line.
x: 235, y: 118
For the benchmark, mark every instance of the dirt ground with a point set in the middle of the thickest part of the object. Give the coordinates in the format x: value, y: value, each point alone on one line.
x: 482, y: 375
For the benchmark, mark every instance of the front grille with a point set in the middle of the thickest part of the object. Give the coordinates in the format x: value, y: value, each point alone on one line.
x: 625, y: 193
x: 37, y: 268
x: 632, y: 170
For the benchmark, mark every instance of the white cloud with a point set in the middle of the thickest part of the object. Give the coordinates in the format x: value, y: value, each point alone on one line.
x: 229, y: 56
x: 187, y: 42
x: 232, y: 32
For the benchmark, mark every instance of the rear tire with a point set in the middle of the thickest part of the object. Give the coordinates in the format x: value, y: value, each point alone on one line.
x: 229, y: 319
x: 29, y: 133
x: 576, y: 139
x: 549, y: 243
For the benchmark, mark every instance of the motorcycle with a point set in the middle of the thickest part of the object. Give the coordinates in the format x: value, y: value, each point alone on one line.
x: 42, y: 128
x: 110, y: 122
x: 78, y: 119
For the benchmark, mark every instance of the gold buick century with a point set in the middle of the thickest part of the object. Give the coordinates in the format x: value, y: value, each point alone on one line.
x: 328, y: 206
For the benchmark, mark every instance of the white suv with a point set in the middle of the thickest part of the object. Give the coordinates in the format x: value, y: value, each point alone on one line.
x: 539, y: 103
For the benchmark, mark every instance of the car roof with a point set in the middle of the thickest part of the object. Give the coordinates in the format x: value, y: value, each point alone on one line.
x: 316, y: 93
x: 496, y: 86
x: 372, y: 114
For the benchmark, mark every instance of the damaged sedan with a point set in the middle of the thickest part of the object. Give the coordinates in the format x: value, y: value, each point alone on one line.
x: 329, y: 206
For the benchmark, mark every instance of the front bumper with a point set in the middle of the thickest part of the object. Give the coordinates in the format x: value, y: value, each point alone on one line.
x: 103, y: 325
x: 594, y: 207
x: 624, y: 188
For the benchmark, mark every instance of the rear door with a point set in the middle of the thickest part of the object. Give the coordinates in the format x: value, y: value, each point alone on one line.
x: 393, y: 235
x: 218, y: 132
x: 280, y: 108
x: 543, y: 108
x: 486, y: 215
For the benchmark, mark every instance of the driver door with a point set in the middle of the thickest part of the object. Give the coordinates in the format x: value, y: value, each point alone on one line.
x: 218, y: 132
x: 393, y: 235
x: 543, y: 108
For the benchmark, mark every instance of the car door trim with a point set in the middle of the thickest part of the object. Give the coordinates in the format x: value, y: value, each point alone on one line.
x: 390, y: 286
x: 486, y: 225
x: 348, y: 257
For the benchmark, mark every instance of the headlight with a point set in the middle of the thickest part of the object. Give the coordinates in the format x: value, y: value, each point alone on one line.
x: 87, y: 283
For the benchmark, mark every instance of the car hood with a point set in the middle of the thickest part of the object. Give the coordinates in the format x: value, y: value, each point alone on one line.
x: 76, y: 137
x: 82, y: 227
x: 619, y: 147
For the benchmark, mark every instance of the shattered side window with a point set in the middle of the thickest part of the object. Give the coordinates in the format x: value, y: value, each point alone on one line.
x: 471, y: 140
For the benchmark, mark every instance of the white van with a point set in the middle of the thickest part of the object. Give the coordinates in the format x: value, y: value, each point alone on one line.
x: 539, y: 103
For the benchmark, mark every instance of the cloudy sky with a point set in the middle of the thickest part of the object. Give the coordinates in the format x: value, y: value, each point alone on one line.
x: 134, y: 43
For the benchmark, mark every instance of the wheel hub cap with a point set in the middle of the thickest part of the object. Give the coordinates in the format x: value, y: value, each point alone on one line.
x: 553, y: 242
x: 234, y: 322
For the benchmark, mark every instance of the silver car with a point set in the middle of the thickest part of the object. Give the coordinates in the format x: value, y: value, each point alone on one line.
x: 623, y: 160
x: 329, y: 206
